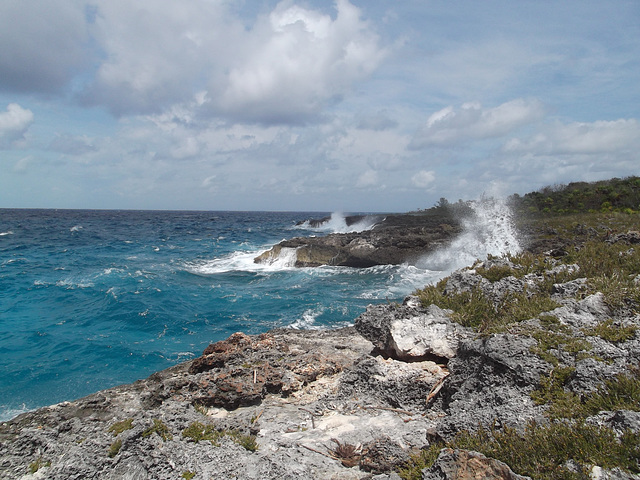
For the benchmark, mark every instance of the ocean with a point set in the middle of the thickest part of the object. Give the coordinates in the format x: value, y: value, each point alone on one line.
x: 90, y: 299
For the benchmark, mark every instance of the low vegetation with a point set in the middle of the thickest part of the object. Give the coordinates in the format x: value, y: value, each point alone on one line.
x: 114, y: 449
x: 160, y: 428
x: 38, y: 464
x: 198, y: 432
x: 119, y: 427
x: 586, y: 227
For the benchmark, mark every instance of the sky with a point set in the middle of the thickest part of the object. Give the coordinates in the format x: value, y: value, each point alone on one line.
x: 305, y: 105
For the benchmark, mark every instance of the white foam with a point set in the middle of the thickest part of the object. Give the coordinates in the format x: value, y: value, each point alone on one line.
x: 9, y: 413
x: 2, y: 234
x: 338, y: 224
x: 75, y: 228
x: 308, y: 320
x: 286, y: 258
x: 491, y: 231
x: 242, y: 261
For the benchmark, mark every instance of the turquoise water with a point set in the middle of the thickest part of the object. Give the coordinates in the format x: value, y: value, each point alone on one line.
x: 92, y: 299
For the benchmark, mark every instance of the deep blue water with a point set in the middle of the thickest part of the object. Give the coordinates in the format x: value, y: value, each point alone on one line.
x: 91, y: 299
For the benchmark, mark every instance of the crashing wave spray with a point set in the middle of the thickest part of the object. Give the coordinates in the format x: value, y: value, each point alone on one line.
x: 338, y: 223
x: 490, y: 231
x: 283, y: 257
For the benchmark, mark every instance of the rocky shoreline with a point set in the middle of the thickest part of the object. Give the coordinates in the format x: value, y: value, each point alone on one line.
x: 393, y: 239
x: 352, y: 403
x: 510, y: 347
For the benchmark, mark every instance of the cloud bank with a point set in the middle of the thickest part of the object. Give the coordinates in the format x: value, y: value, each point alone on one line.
x: 308, y: 105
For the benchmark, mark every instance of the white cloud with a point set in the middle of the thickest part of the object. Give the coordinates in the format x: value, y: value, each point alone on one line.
x: 14, y: 123
x: 284, y: 68
x: 367, y: 179
x: 471, y: 121
x: 581, y: 138
x: 423, y: 179
x: 299, y: 62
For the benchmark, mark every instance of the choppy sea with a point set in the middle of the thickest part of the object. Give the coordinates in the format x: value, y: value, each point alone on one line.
x: 90, y: 299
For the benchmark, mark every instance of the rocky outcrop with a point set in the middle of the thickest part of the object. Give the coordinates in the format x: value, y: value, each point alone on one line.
x: 283, y: 405
x: 394, y: 240
x: 410, y: 332
x: 467, y: 465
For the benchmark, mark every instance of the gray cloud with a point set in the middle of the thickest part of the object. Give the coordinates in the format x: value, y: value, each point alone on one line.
x: 43, y: 44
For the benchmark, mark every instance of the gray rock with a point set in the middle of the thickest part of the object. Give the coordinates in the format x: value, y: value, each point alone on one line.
x: 468, y: 465
x: 411, y: 332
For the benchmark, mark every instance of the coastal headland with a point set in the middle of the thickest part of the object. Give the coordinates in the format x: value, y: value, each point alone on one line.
x: 524, y: 365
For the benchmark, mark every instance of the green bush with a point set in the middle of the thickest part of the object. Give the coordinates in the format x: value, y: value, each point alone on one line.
x: 160, y: 428
x: 114, y: 449
x: 120, y: 427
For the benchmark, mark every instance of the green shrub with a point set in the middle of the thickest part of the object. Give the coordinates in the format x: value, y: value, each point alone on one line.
x: 115, y: 448
x: 474, y: 309
x: 542, y: 451
x: 419, y: 461
x: 612, y: 333
x: 120, y: 427
x: 160, y: 428
x: 188, y: 475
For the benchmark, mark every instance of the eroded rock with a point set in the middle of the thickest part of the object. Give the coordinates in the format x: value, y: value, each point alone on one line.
x: 468, y: 465
x: 410, y: 332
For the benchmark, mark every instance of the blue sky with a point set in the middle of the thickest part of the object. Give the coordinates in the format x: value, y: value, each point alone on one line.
x: 311, y: 105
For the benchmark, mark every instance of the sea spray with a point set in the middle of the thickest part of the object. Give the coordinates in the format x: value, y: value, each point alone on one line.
x: 338, y: 223
x: 489, y: 231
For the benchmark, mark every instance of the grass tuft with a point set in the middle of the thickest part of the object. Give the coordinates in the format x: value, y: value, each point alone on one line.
x: 114, y: 449
x: 199, y: 432
x: 119, y: 427
x: 38, y: 464
x: 160, y: 428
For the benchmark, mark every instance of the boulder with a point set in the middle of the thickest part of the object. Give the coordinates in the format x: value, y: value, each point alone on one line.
x: 410, y: 332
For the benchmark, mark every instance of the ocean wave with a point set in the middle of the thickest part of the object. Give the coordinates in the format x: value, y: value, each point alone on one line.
x: 2, y: 234
x: 308, y: 320
x: 238, y: 261
x: 8, y: 412
x: 491, y: 231
x: 338, y: 223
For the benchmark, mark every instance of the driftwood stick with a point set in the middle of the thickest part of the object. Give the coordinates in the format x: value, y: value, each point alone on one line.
x: 313, y: 421
x: 318, y: 451
x: 436, y: 388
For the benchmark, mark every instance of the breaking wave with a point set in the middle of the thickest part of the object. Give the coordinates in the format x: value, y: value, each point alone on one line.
x: 490, y: 231
x: 339, y: 223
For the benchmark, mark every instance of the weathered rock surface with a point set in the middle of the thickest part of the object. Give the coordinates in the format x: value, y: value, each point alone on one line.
x: 394, y: 240
x: 468, y: 465
x: 411, y: 332
x: 296, y: 391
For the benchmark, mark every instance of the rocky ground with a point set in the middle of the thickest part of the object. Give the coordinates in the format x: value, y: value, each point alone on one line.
x: 356, y: 403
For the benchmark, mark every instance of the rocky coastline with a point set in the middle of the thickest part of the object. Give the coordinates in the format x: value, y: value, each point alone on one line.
x: 510, y: 346
x: 392, y: 240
